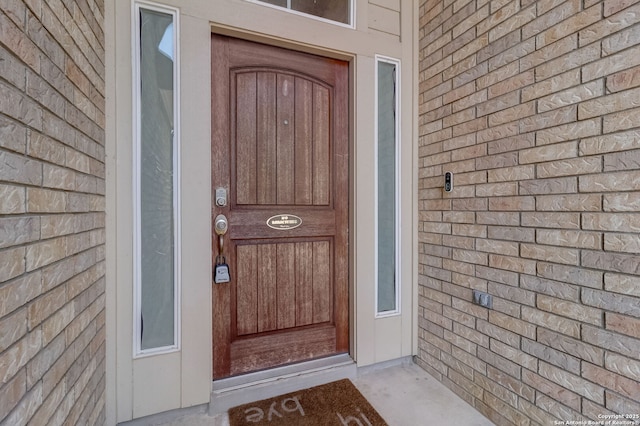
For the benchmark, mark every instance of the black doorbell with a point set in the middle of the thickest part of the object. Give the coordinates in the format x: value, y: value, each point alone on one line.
x: 448, y: 181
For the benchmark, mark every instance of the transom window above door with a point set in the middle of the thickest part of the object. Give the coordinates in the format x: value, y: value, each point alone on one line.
x: 337, y: 11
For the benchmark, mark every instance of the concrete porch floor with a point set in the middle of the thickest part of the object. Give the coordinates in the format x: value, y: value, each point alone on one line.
x: 404, y: 394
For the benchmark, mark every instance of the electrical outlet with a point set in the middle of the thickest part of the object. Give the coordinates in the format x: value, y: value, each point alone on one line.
x: 483, y: 299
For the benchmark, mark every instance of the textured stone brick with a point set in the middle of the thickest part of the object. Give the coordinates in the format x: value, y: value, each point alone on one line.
x: 625, y: 243
x: 552, y: 356
x: 623, y: 80
x: 570, y: 310
x: 510, y: 263
x: 19, y: 169
x: 568, y: 132
x: 18, y: 230
x: 575, y: 203
x: 571, y: 346
x: 548, y: 153
x: 512, y: 114
x: 627, y: 367
x: 617, y: 383
x: 610, y: 143
x: 629, y: 160
x: 622, y: 222
x: 509, y: 174
x: 608, y: 104
x: 499, y: 46
x: 621, y: 181
x: 12, y: 393
x: 570, y: 274
x: 577, y: 58
x: 564, y: 238
x: 12, y: 328
x: 551, y: 288
x: 552, y: 322
x: 627, y: 264
x: 550, y: 52
x: 573, y: 383
x: 12, y: 199
x: 551, y: 220
x: 612, y: 24
x: 614, y: 342
x: 560, y: 411
x: 499, y: 362
x: 45, y: 253
x: 498, y: 247
x: 27, y: 406
x: 611, y: 64
x: 498, y: 75
x: 620, y: 404
x: 565, y: 185
x: 622, y: 202
x: 552, y: 389
x: 612, y: 6
x: 550, y: 17
x: 569, y: 26
x: 12, y: 263
x: 535, y: 413
x: 620, y: 41
x: 623, y: 324
x: 548, y: 253
x: 572, y: 96
x: 554, y: 84
x: 13, y: 359
x: 13, y: 136
x: 516, y: 21
x: 623, y: 284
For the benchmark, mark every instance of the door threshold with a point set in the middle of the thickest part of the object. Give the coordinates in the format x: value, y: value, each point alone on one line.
x: 228, y: 393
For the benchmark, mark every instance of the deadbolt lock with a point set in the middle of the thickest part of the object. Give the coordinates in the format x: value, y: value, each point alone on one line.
x: 221, y: 197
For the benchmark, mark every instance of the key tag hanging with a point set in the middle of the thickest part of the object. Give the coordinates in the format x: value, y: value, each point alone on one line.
x: 221, y: 274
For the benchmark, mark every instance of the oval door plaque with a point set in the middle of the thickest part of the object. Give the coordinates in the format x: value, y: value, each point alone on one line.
x: 284, y: 222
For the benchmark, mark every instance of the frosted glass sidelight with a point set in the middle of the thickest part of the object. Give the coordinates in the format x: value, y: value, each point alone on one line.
x: 156, y: 229
x: 386, y: 187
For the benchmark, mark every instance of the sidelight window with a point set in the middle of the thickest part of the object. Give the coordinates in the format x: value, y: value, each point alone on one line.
x: 387, y: 186
x: 156, y: 199
x: 340, y: 11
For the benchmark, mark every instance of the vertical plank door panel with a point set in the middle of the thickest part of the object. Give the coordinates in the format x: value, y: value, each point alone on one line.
x: 322, y: 293
x: 286, y: 151
x: 304, y: 283
x: 266, y: 139
x: 321, y: 146
x: 304, y: 142
x: 246, y: 138
x: 247, y: 289
x: 267, y: 291
x: 286, y: 272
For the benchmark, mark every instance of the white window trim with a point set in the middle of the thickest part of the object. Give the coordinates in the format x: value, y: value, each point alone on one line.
x: 352, y: 12
x: 138, y: 352
x: 397, y: 311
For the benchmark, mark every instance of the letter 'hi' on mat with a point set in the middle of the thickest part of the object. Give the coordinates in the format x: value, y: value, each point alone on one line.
x: 337, y: 403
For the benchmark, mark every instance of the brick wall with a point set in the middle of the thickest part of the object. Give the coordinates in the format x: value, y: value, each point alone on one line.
x: 52, y: 334
x: 535, y: 107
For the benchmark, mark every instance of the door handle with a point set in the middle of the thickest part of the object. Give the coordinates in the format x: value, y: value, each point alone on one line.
x: 220, y: 226
x: 221, y: 269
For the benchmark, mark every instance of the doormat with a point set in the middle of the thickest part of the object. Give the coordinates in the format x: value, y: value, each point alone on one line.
x: 337, y: 403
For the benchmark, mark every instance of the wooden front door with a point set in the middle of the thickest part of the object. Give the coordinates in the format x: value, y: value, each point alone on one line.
x: 280, y: 149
